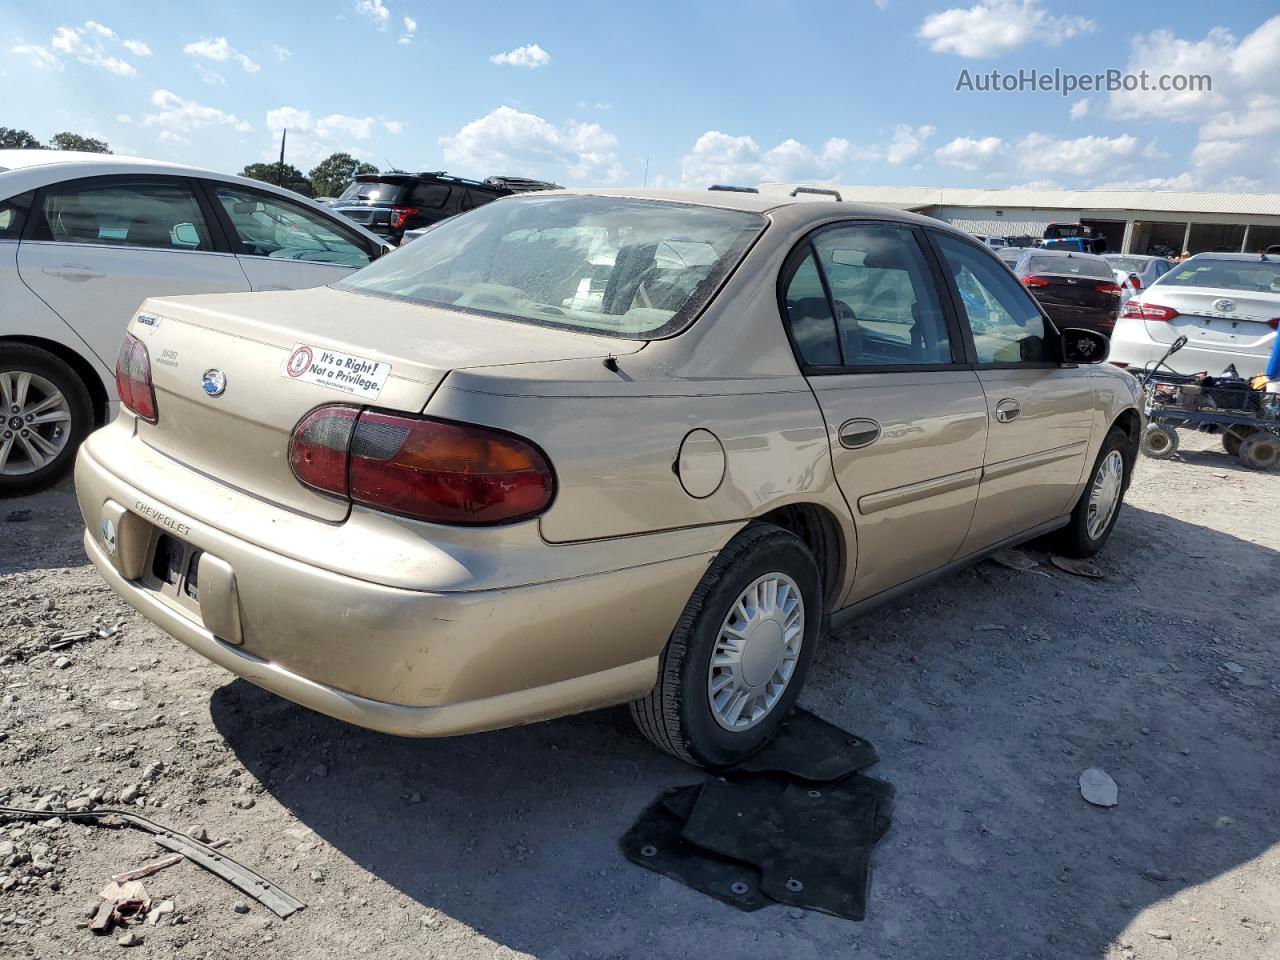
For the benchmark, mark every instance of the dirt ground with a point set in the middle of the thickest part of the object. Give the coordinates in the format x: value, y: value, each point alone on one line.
x: 986, y: 695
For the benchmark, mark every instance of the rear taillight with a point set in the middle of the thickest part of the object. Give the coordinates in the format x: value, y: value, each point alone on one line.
x: 1148, y: 311
x: 1274, y: 323
x: 1036, y: 281
x: 1135, y: 281
x: 133, y: 378
x: 319, y: 445
x: 435, y: 470
x: 399, y: 215
x: 1108, y: 287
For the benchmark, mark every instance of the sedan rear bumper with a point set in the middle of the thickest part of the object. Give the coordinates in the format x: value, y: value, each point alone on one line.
x: 408, y: 662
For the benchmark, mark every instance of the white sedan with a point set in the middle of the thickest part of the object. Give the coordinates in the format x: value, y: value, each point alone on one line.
x: 85, y: 238
x: 1227, y: 305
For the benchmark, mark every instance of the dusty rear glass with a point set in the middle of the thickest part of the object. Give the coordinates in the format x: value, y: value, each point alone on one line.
x: 1252, y: 276
x: 376, y: 191
x: 1070, y: 267
x: 617, y: 266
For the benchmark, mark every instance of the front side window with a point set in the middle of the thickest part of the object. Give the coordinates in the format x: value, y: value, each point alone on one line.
x: 886, y: 305
x: 273, y: 227
x: 1007, y: 325
x: 616, y: 266
x: 151, y: 214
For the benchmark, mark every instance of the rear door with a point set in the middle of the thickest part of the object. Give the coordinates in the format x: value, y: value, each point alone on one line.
x: 95, y: 248
x: 906, y: 417
x: 1041, y: 413
x: 283, y: 245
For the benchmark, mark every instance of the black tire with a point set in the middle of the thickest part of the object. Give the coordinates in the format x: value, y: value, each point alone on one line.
x: 1260, y: 450
x: 21, y: 358
x: 677, y: 714
x: 1160, y: 442
x: 1232, y: 437
x: 1074, y: 540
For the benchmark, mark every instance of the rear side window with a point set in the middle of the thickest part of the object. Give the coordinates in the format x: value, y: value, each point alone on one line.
x: 153, y: 214
x: 13, y: 213
x: 1006, y: 322
x: 430, y: 195
x: 809, y: 315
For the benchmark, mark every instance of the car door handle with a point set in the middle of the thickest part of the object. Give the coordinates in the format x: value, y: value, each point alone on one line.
x: 72, y: 271
x: 859, y: 432
x: 1007, y: 410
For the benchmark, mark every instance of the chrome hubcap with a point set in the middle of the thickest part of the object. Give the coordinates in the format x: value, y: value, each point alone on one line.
x: 756, y: 652
x: 1104, y: 498
x: 35, y: 422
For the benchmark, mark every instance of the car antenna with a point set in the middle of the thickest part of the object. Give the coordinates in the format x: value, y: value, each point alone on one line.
x: 611, y: 363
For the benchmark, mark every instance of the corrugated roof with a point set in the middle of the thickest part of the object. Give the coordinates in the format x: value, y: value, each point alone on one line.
x: 1165, y: 201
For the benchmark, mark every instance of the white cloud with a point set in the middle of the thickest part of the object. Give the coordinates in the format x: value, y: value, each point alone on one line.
x: 882, y: 4
x: 993, y: 27
x: 718, y: 157
x: 1080, y: 108
x: 211, y: 77
x: 311, y: 139
x: 1238, y: 114
x: 176, y: 115
x: 410, y: 28
x: 392, y: 126
x: 282, y: 53
x: 220, y: 51
x: 1080, y: 157
x: 530, y: 55
x: 376, y: 11
x: 969, y: 153
x: 511, y: 142
x: 93, y: 44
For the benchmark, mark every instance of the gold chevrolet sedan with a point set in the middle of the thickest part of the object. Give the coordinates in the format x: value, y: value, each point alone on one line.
x: 581, y: 448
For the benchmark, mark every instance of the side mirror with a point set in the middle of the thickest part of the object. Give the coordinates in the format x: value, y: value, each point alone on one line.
x: 1084, y: 346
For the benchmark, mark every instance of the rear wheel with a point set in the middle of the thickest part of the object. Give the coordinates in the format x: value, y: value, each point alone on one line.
x: 45, y: 412
x: 1232, y: 437
x: 1160, y: 442
x: 739, y: 654
x: 1260, y: 450
x: 1096, y: 511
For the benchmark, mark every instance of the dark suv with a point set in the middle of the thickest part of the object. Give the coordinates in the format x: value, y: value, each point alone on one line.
x: 391, y: 203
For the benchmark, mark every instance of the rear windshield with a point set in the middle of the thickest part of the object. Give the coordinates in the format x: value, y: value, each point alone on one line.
x: 618, y: 266
x: 1254, y: 276
x: 1128, y: 264
x: 376, y: 191
x: 1071, y: 267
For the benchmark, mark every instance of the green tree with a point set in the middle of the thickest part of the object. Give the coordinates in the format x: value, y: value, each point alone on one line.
x: 73, y: 141
x: 14, y: 139
x: 289, y: 177
x: 331, y: 175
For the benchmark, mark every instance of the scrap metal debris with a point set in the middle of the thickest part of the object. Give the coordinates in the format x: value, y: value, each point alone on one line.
x: 271, y: 896
x: 1098, y: 788
x: 63, y: 640
x: 794, y: 824
x: 1016, y: 560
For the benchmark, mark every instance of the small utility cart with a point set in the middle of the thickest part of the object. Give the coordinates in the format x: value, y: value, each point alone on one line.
x: 1248, y: 419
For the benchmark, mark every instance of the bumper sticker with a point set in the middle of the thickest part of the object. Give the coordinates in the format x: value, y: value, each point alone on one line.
x: 345, y: 372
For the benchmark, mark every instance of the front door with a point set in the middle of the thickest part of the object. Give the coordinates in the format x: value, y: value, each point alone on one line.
x: 96, y: 248
x: 1041, y: 412
x: 907, y: 420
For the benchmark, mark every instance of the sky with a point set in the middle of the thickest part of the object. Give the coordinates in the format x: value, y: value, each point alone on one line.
x: 670, y: 93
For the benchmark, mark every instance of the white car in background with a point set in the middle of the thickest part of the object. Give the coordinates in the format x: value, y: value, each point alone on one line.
x: 85, y: 238
x: 1227, y: 305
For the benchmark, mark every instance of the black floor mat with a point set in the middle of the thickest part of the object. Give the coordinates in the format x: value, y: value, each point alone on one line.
x: 795, y: 824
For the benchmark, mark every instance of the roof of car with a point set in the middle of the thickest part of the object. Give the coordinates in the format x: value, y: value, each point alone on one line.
x: 1255, y: 257
x: 20, y: 159
x: 1077, y: 254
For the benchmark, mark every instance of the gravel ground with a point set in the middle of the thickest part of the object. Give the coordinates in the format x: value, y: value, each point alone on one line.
x: 986, y: 695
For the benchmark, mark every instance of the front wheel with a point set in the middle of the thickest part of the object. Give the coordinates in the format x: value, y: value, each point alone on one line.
x: 738, y: 656
x: 1096, y: 511
x: 45, y: 412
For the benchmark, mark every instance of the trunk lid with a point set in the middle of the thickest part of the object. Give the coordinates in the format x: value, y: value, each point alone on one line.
x: 1215, y: 318
x: 281, y: 354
